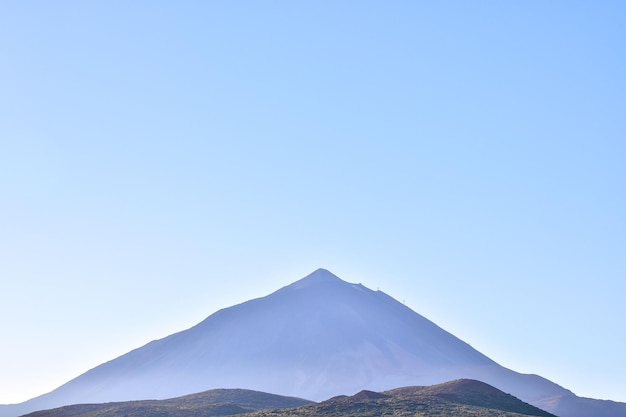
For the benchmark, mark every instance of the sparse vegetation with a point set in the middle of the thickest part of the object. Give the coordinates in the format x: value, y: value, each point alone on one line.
x: 462, y: 398
x: 213, y: 403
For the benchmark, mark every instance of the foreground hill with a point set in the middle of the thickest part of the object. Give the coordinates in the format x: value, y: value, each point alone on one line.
x: 316, y: 338
x: 213, y: 403
x: 461, y: 398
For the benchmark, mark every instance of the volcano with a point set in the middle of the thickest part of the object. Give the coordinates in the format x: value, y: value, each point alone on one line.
x: 316, y: 338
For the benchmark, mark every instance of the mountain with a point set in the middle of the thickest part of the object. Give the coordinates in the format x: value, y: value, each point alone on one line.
x: 461, y: 398
x: 316, y: 338
x: 212, y: 403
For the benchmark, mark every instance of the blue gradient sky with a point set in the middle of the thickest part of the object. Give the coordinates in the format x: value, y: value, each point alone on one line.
x: 161, y: 160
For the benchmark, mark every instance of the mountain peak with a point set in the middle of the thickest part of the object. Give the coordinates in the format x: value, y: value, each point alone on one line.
x: 321, y: 273
x: 318, y: 276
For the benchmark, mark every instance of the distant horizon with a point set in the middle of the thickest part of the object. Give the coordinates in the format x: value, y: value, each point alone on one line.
x: 162, y: 161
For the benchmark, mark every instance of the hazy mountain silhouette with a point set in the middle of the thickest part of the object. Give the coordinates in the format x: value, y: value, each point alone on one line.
x: 316, y: 338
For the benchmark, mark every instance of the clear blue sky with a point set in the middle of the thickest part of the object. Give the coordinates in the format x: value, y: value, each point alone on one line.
x: 161, y: 160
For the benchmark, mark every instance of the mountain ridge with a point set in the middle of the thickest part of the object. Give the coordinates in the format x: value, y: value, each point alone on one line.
x: 459, y: 398
x: 213, y: 403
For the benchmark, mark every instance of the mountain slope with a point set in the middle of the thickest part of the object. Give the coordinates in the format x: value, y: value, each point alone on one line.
x: 460, y: 398
x: 315, y: 338
x: 213, y: 403
x: 470, y: 392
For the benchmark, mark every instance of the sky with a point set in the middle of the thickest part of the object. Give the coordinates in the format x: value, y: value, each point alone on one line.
x: 162, y: 160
